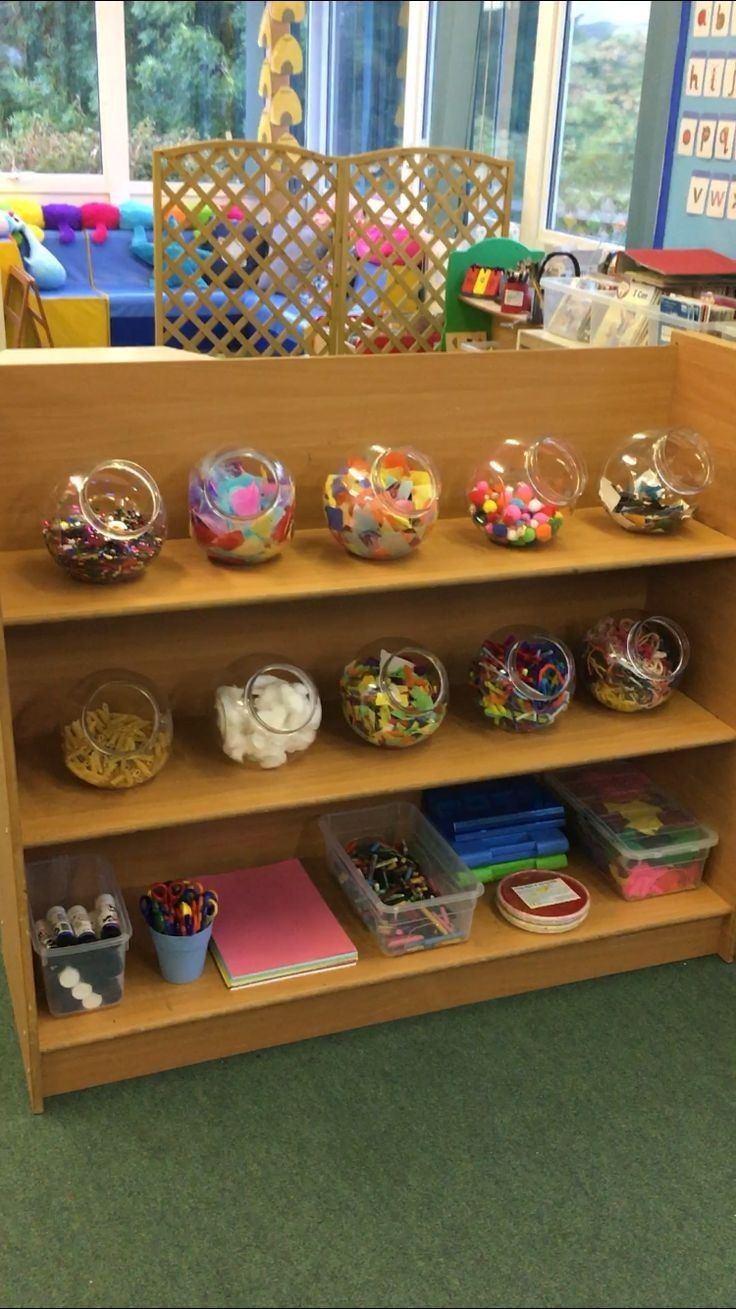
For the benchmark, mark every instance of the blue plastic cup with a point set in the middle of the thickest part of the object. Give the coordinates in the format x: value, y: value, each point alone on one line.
x: 181, y: 958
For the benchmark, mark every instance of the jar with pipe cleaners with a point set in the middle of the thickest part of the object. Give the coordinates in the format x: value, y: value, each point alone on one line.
x: 382, y: 503
x: 241, y: 506
x: 523, y: 678
x: 266, y: 710
x: 394, y: 693
x: 105, y: 524
x: 117, y: 730
x: 525, y: 490
x: 651, y: 483
x: 633, y: 661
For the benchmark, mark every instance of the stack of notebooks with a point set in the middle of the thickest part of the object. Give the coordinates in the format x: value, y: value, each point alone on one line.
x: 501, y: 827
x: 272, y: 924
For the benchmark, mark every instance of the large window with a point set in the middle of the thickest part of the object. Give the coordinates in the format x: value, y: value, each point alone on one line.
x: 603, y: 65
x: 502, y: 92
x: 186, y: 71
x: 367, y: 45
x: 49, y: 110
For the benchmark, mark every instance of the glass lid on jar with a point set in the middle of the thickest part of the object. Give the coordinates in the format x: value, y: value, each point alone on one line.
x: 119, y: 499
x: 122, y: 713
x: 404, y: 480
x: 657, y: 648
x: 555, y: 471
x: 682, y: 460
x: 281, y: 697
x: 241, y: 484
x: 540, y: 667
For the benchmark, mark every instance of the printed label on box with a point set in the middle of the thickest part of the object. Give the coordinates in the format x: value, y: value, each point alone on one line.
x: 554, y: 891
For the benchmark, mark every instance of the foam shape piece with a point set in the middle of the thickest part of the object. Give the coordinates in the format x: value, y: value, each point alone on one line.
x: 286, y: 56
x: 25, y: 208
x: 264, y: 129
x: 264, y: 28
x: 395, y: 243
x: 100, y: 218
x: 285, y: 109
x: 48, y: 271
x: 136, y: 213
x: 64, y: 219
x: 140, y: 246
x: 287, y: 11
x: 264, y: 80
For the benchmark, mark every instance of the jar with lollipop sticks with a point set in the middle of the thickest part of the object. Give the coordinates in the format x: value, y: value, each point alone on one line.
x: 105, y: 524
x: 381, y: 504
x: 241, y: 506
x: 525, y: 490
x: 523, y: 679
x: 266, y: 710
x: 632, y: 662
x: 652, y: 482
x: 117, y: 730
x: 394, y: 694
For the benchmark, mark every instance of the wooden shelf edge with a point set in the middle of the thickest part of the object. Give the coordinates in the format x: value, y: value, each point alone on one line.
x: 35, y: 592
x: 200, y: 785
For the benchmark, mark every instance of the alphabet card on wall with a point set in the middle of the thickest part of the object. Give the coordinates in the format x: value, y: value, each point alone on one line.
x: 700, y: 208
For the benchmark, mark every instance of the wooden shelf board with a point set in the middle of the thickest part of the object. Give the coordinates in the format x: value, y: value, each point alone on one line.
x: 204, y: 1019
x: 34, y: 591
x: 200, y: 784
x: 494, y: 310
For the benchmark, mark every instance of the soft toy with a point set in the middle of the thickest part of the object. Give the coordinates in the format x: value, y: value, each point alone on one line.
x: 64, y: 219
x: 135, y: 213
x: 48, y: 272
x: 101, y: 219
x: 395, y: 244
x: 27, y: 210
x: 141, y: 247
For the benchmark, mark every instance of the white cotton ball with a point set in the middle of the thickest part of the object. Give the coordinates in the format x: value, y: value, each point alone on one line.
x: 272, y: 760
x: 69, y: 978
x: 273, y: 717
x: 258, y: 743
x: 269, y: 697
x: 292, y: 701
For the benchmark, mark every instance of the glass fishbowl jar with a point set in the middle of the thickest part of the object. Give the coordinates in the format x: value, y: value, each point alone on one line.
x: 525, y: 490
x: 633, y: 661
x: 241, y: 506
x: 266, y: 709
x: 117, y: 730
x: 394, y: 693
x: 106, y: 524
x: 523, y: 678
x: 381, y: 504
x: 652, y: 482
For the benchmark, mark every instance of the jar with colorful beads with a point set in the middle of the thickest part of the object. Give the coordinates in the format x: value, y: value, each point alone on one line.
x: 523, y: 678
x: 394, y: 694
x: 266, y: 709
x: 652, y: 482
x: 524, y: 491
x: 634, y: 661
x: 381, y: 504
x: 241, y: 506
x: 116, y: 730
x: 105, y: 524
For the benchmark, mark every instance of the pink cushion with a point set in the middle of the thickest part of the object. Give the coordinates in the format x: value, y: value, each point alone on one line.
x: 396, y: 242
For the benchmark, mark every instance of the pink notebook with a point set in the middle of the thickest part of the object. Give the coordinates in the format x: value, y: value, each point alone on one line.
x: 273, y: 923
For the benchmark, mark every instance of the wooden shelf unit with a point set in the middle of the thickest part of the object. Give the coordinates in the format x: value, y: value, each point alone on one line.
x: 187, y: 620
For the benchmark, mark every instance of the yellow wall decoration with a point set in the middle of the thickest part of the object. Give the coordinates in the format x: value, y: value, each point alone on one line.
x: 288, y: 11
x: 285, y: 107
x: 286, y: 56
x: 264, y: 80
x: 264, y: 127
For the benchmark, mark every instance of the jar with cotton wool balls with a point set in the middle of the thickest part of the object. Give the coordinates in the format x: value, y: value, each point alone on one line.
x: 394, y: 693
x: 523, y: 678
x: 633, y: 661
x: 381, y: 503
x: 105, y: 524
x: 117, y: 730
x: 652, y: 482
x: 241, y: 506
x: 525, y: 490
x: 266, y: 709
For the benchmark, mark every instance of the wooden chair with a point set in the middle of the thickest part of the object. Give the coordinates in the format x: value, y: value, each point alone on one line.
x: 25, y: 317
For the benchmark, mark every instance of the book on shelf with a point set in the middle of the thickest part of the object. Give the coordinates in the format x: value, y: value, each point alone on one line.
x: 273, y: 924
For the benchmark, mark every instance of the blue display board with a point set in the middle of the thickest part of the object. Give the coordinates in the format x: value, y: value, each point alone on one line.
x: 699, y: 178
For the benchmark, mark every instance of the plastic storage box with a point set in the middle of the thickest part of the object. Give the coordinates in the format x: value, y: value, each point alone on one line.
x: 582, y: 310
x: 70, y: 880
x: 400, y: 929
x: 635, y: 833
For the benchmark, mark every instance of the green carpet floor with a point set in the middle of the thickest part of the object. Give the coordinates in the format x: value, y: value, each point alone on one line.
x: 574, y: 1147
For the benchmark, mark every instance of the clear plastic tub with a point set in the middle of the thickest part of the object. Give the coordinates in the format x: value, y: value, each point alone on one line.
x: 602, y: 312
x: 69, y: 880
x: 635, y: 833
x: 403, y: 928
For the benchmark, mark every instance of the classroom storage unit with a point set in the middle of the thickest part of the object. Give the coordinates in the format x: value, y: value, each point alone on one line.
x: 185, y: 620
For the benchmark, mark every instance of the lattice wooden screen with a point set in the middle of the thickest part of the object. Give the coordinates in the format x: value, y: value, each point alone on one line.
x: 410, y: 209
x: 273, y: 249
